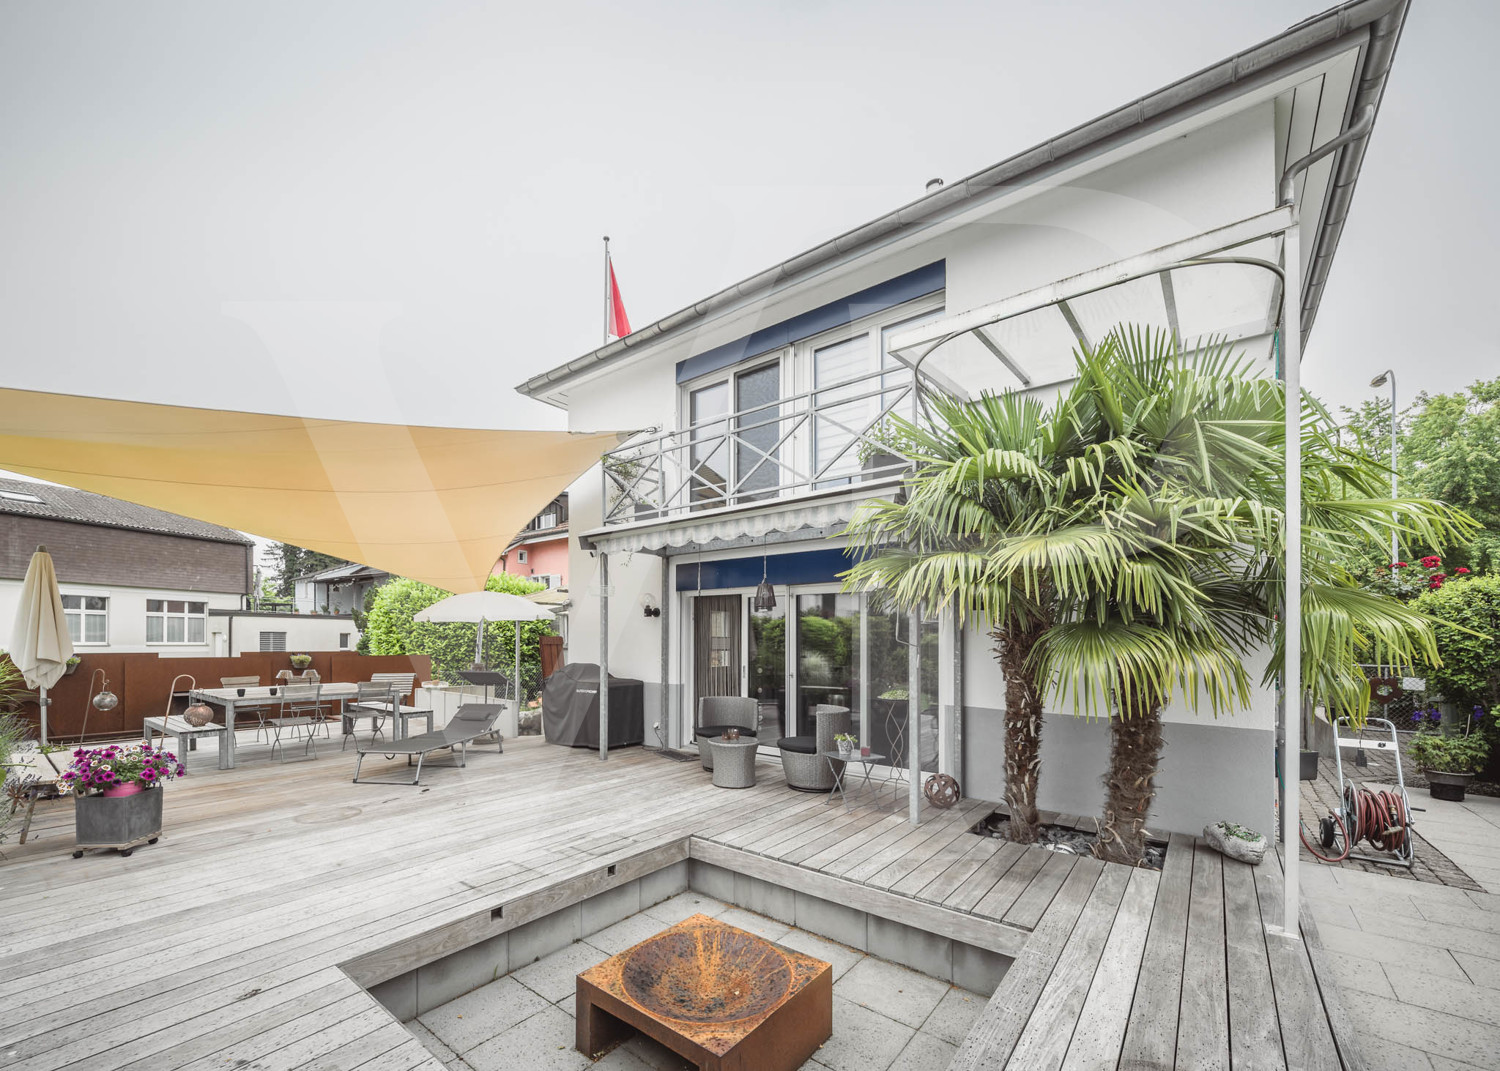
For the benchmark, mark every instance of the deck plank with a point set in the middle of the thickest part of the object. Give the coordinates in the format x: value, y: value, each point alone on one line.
x: 1203, y: 1022
x: 1254, y: 1031
x: 1100, y: 1033
x: 1151, y: 1035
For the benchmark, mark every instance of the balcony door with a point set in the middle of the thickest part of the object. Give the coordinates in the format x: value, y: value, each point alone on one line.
x: 735, y: 428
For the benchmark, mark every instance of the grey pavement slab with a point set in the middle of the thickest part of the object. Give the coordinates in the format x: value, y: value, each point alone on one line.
x: 863, y: 1040
x: 840, y: 957
x: 542, y: 1042
x: 893, y: 991
x: 476, y: 1017
x: 952, y: 1019
x: 555, y: 977
x: 685, y: 905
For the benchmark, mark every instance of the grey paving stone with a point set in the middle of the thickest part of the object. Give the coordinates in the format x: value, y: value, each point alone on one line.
x: 434, y: 1044
x: 685, y: 905
x: 541, y: 937
x: 893, y: 991
x: 1363, y: 975
x: 759, y: 925
x: 620, y: 1059
x: 555, y: 977
x: 543, y: 1042
x: 1439, y: 1033
x: 841, y: 957
x: 1464, y: 999
x: 863, y: 1040
x: 454, y: 975
x: 952, y: 1019
x: 1481, y: 970
x: 1387, y: 949
x: 917, y: 949
x: 925, y: 1053
x: 654, y: 1055
x: 476, y: 1017
x: 622, y: 935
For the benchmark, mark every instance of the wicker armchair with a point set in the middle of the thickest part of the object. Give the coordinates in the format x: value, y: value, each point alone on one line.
x: 719, y: 712
x: 802, y: 756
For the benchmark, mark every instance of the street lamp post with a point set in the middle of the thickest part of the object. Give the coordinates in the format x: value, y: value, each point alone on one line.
x: 1379, y: 381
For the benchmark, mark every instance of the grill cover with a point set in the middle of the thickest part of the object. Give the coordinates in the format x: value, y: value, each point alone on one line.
x: 570, y: 708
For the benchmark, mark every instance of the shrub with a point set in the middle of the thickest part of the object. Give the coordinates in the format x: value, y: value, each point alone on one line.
x: 1449, y: 754
x: 1470, y: 673
x: 391, y: 630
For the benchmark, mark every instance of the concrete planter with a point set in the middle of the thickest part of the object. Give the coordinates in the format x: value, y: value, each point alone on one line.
x: 123, y: 822
x: 1447, y: 786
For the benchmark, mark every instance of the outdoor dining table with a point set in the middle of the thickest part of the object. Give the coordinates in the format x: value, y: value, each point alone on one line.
x: 231, y: 699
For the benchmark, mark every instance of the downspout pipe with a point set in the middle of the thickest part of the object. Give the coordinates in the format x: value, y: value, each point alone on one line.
x: 1361, y: 126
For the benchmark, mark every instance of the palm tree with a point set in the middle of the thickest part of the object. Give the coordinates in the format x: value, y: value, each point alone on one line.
x: 1191, y: 578
x: 985, y: 470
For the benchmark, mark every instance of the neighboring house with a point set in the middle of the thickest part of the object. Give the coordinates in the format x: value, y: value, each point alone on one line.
x: 132, y: 578
x: 540, y: 551
x: 236, y: 631
x: 338, y: 590
x: 769, y: 397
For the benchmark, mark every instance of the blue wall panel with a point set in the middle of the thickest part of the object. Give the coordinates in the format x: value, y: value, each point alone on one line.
x: 805, y: 567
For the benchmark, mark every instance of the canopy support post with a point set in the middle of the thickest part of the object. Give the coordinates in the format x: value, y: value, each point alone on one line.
x: 515, y: 687
x: 603, y: 655
x: 1291, y: 673
x: 664, y: 734
x: 913, y: 715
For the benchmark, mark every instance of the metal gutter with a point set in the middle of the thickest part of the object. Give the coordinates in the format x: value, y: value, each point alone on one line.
x: 1384, y: 19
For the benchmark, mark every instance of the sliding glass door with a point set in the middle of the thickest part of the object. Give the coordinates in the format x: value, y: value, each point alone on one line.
x: 828, y: 654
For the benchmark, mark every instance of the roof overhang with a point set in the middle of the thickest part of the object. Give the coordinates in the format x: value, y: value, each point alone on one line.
x: 1372, y: 26
x: 435, y: 504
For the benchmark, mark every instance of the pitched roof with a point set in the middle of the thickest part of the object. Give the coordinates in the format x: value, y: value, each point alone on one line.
x: 25, y: 498
x: 1384, y: 19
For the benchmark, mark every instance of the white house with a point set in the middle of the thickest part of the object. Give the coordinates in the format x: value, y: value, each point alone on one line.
x: 763, y: 397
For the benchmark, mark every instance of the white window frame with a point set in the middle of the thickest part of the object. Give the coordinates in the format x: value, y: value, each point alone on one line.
x: 521, y: 555
x: 185, y: 617
x: 82, y: 614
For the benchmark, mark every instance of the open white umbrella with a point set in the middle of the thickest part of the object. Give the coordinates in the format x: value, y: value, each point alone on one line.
x: 39, y: 643
x: 480, y: 606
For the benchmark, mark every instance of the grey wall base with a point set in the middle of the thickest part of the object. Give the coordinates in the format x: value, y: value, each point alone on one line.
x: 1209, y: 770
x: 417, y: 991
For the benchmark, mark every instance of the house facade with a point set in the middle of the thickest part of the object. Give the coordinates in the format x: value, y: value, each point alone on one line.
x: 766, y: 402
x: 340, y: 589
x: 540, y: 551
x: 132, y: 578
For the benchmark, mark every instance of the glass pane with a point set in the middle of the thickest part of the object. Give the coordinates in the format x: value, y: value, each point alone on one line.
x: 768, y: 669
x: 175, y: 630
x: 176, y: 606
x: 756, y: 396
x: 890, y: 702
x: 72, y: 602
x: 94, y: 628
x: 153, y: 606
x: 197, y: 607
x: 154, y: 630
x: 710, y: 451
x: 75, y: 627
x: 95, y: 602
x: 195, y: 630
x: 827, y: 655
x: 835, y: 421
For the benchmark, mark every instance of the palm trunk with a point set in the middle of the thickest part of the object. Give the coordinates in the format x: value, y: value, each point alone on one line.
x: 1135, y: 744
x: 1023, y: 732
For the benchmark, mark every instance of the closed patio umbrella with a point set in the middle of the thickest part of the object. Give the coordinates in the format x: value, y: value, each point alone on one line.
x: 480, y: 606
x: 39, y: 643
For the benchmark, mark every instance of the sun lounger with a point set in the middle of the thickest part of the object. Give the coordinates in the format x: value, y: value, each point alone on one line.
x: 471, y: 722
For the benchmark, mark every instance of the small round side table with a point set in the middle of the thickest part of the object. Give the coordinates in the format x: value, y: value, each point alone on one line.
x: 734, y: 760
x: 839, y: 763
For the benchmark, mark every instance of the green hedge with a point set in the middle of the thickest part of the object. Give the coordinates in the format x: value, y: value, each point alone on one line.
x: 390, y: 629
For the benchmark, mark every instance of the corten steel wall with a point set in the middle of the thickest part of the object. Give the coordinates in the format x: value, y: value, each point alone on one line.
x: 142, y: 680
x: 93, y: 554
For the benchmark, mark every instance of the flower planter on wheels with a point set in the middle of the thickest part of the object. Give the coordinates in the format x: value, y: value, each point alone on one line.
x: 1447, y: 786
x: 124, y: 822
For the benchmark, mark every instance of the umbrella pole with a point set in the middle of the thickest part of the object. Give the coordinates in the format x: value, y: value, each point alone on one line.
x: 479, y: 645
x: 516, y: 685
x: 42, y: 711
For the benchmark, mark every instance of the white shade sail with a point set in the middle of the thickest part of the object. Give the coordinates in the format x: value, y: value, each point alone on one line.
x: 436, y: 504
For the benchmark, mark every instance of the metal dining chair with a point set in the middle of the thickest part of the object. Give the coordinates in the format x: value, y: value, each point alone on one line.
x: 375, y: 700
x: 300, y: 709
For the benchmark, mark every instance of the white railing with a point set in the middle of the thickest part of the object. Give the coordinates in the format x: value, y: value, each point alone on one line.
x: 822, y: 439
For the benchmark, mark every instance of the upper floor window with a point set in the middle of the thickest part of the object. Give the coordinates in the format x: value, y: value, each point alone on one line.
x: 736, y: 426
x: 87, y: 617
x: 175, y: 621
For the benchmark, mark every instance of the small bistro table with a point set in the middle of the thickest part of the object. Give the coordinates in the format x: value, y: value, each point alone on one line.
x: 230, y: 699
x: 734, y: 760
x: 836, y: 757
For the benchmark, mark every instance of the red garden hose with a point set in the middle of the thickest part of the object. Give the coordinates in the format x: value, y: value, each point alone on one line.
x: 1377, y: 817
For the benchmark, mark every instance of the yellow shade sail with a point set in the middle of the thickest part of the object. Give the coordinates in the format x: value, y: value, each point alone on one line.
x: 436, y: 504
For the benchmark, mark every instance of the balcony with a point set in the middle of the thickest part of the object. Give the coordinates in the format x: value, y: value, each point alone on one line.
x: 824, y: 439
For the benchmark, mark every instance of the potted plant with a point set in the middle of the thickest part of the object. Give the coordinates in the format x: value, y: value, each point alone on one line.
x: 1449, y: 762
x: 119, y: 795
x: 72, y: 665
x: 845, y: 742
x: 880, y: 451
x: 301, y: 661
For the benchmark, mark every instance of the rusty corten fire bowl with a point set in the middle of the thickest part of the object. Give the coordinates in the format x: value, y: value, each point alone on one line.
x: 711, y: 973
x: 705, y: 990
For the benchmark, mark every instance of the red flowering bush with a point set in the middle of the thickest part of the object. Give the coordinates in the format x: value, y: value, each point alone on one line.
x: 1406, y: 581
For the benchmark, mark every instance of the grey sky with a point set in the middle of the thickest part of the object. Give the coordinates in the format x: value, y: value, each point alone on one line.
x: 393, y: 210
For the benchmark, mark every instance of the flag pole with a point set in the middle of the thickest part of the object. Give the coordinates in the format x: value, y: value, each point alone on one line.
x: 606, y: 290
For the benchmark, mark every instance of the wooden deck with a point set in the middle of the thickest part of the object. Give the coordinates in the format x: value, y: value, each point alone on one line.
x: 233, y: 941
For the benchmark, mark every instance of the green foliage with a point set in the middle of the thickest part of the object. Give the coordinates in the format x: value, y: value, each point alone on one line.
x: 1470, y: 653
x: 391, y: 630
x: 13, y: 690
x: 1449, y: 754
x: 1448, y: 449
x: 288, y: 563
